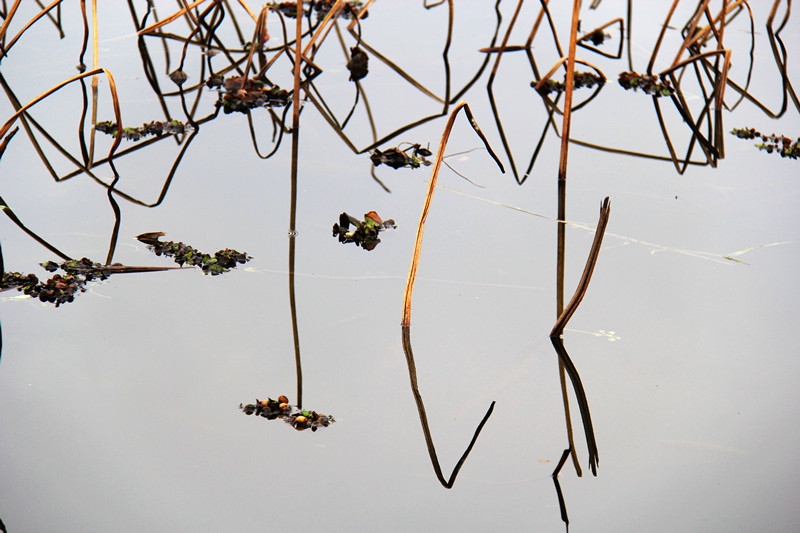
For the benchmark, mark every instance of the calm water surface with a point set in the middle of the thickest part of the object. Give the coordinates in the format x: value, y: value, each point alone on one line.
x: 119, y: 411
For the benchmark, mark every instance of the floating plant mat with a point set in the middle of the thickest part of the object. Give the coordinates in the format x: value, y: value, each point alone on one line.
x: 61, y: 289
x: 297, y: 418
x: 241, y: 95
x: 581, y: 80
x: 365, y: 233
x: 778, y: 144
x: 172, y: 127
x: 221, y: 262
x: 646, y: 82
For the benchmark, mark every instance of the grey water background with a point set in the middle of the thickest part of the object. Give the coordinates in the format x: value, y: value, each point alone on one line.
x: 119, y: 411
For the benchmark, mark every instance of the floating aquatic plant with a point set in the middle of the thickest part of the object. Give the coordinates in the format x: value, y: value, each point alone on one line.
x: 646, y: 82
x: 58, y: 289
x: 269, y: 408
x: 322, y: 7
x: 397, y: 158
x: 62, y: 289
x: 241, y: 96
x: 365, y: 233
x: 309, y: 419
x: 581, y: 79
x: 778, y: 144
x: 280, y: 408
x: 173, y: 127
x: 182, y: 253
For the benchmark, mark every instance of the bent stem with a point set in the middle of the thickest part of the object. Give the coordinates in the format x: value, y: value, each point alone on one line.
x: 412, y: 274
x: 558, y: 329
x: 423, y: 417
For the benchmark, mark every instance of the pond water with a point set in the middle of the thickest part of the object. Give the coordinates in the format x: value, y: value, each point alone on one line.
x: 120, y: 411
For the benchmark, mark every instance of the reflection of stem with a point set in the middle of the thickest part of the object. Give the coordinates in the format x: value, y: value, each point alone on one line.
x: 583, y: 403
x: 565, y: 363
x: 7, y: 210
x: 423, y: 418
x: 562, y: 505
x: 293, y: 209
x: 562, y: 213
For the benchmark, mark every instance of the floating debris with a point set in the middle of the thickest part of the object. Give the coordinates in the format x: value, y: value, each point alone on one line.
x: 358, y: 64
x: 173, y: 127
x: 779, y: 144
x: 221, y: 262
x: 580, y: 80
x: 647, y: 83
x: 178, y: 77
x: 597, y: 37
x: 397, y: 158
x: 365, y: 233
x: 280, y: 408
x: 253, y: 93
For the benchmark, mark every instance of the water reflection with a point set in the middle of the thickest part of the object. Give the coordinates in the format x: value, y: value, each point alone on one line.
x: 251, y: 78
x: 423, y: 417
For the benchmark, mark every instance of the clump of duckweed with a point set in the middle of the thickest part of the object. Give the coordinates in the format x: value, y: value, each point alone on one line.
x: 779, y: 144
x: 646, y: 82
x: 59, y: 289
x: 183, y: 254
x: 241, y: 96
x: 172, y: 127
x: 321, y: 7
x: 280, y: 408
x: 580, y: 80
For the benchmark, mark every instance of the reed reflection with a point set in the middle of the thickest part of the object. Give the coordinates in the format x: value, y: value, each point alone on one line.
x: 239, y: 62
x: 705, y: 70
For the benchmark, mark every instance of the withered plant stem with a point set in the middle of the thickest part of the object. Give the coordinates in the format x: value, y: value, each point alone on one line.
x: 412, y: 273
x: 562, y: 213
x: 564, y: 359
x: 95, y: 79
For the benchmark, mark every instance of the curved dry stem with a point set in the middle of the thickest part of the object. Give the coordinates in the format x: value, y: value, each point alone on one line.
x: 412, y: 274
x: 170, y: 18
x: 7, y: 21
x: 591, y: 261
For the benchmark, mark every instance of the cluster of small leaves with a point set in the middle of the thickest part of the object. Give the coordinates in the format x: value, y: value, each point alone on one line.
x: 269, y: 408
x: 647, y: 83
x: 173, y: 127
x: 397, y: 158
x: 365, y: 233
x: 778, y: 144
x: 580, y: 80
x: 280, y: 408
x: 183, y: 254
x: 321, y: 7
x: 58, y: 289
x: 241, y: 97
